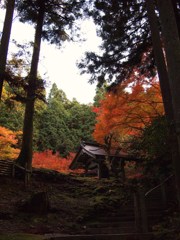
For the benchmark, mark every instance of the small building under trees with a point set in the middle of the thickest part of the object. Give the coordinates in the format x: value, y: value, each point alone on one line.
x: 92, y: 156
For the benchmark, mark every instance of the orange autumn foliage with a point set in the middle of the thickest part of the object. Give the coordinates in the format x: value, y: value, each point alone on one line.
x: 52, y: 161
x: 128, y: 109
x: 8, y: 144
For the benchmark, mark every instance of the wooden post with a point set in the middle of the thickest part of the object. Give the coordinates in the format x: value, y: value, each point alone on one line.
x: 144, y: 221
x: 103, y: 171
x: 164, y: 196
x: 123, y: 170
x: 86, y: 170
x: 99, y: 171
x: 137, y: 212
x: 13, y: 170
x: 140, y: 211
x: 25, y: 175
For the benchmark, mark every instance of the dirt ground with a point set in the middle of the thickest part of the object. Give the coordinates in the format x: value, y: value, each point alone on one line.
x: 72, y: 199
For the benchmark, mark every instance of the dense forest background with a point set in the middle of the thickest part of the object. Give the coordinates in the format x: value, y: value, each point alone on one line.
x: 114, y: 120
x: 59, y: 125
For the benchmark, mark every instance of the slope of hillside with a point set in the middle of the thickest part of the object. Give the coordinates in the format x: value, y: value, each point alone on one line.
x: 72, y: 200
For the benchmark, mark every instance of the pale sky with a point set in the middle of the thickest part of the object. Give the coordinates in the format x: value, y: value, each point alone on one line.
x: 59, y: 65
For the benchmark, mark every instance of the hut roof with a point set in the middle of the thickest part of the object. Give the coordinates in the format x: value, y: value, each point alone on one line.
x: 90, y: 154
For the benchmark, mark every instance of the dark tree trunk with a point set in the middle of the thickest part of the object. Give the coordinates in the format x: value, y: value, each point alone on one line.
x: 25, y: 157
x: 164, y: 81
x: 5, y: 40
x: 177, y: 13
x: 172, y: 50
x: 140, y: 211
x: 160, y: 61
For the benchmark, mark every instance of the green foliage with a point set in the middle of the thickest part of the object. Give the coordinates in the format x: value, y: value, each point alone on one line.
x: 11, y: 117
x: 59, y: 17
x: 124, y: 29
x: 11, y: 111
x: 154, y: 139
x: 81, y: 121
x: 53, y: 129
x: 63, y: 124
x: 100, y: 94
x: 168, y: 229
x: 59, y: 125
x: 153, y: 146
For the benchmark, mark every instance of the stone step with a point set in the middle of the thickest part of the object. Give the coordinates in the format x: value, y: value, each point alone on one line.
x: 112, y: 224
x: 156, y: 207
x: 133, y: 236
x: 127, y: 217
x: 110, y: 230
x: 116, y: 218
x: 152, y: 215
x: 122, y: 209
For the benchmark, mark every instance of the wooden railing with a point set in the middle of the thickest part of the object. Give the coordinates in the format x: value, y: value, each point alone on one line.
x: 140, y: 208
x: 6, y: 167
x: 12, y: 169
x: 159, y: 185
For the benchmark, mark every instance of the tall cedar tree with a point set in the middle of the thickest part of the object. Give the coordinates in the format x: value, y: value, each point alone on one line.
x: 160, y: 60
x: 125, y: 32
x: 25, y: 156
x: 51, y: 18
x: 172, y: 51
x: 64, y: 123
x: 4, y: 45
x: 124, y: 28
x: 164, y: 80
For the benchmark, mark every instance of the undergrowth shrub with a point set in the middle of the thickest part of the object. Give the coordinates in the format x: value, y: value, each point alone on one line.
x: 52, y: 161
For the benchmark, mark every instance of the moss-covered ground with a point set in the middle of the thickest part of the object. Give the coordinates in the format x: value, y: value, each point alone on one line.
x: 73, y: 199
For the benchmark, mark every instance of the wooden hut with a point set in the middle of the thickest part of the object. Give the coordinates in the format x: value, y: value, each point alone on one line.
x: 92, y: 156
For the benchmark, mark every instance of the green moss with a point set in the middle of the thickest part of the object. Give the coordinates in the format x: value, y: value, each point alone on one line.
x: 20, y: 236
x: 168, y: 229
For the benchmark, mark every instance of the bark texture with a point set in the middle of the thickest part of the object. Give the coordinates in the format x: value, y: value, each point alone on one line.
x: 172, y: 51
x: 5, y: 40
x: 25, y: 157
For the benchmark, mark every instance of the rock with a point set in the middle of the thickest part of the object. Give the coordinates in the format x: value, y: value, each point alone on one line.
x: 38, y: 203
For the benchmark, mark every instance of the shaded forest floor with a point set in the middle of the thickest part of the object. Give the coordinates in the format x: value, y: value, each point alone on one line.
x: 72, y: 199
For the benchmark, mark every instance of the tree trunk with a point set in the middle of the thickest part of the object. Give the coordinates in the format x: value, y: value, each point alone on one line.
x: 160, y: 61
x: 144, y: 217
x: 140, y: 211
x: 103, y: 171
x: 172, y: 51
x: 177, y: 14
x: 5, y: 40
x: 164, y: 80
x: 25, y: 157
x: 137, y: 212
